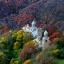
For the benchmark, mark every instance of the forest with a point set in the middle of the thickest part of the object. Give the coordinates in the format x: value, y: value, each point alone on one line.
x: 16, y: 45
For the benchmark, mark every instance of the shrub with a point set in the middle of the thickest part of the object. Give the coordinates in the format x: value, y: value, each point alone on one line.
x: 55, y: 40
x: 31, y: 43
x: 28, y: 61
x: 20, y: 32
x: 47, y: 60
x: 60, y: 47
x: 60, y: 54
x: 1, y: 55
x: 12, y: 43
x: 29, y: 48
x: 55, y: 35
x: 55, y: 52
x: 60, y: 44
x: 27, y: 37
x: 23, y: 56
x: 45, y: 57
x: 39, y: 56
x: 14, y: 61
x: 16, y: 45
x: 26, y: 53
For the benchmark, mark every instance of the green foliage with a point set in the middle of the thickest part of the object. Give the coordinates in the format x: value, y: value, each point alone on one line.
x: 47, y: 60
x: 60, y: 62
x: 28, y: 49
x: 45, y: 57
x: 18, y: 46
x: 60, y: 53
x: 14, y: 61
x: 11, y: 44
x: 63, y: 33
x: 60, y: 44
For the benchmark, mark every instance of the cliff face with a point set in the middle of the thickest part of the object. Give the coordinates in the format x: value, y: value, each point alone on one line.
x: 17, y: 13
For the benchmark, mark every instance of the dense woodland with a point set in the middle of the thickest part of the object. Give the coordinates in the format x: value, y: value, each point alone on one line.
x: 17, y: 46
x: 14, y: 14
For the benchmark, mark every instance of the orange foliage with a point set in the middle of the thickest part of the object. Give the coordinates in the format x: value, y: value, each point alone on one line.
x: 55, y: 40
x: 4, y: 29
x: 27, y: 51
x: 55, y: 35
x: 62, y: 37
x: 30, y: 49
x: 25, y: 54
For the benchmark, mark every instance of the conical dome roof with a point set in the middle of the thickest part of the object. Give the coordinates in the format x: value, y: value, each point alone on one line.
x: 45, y: 33
x: 33, y: 23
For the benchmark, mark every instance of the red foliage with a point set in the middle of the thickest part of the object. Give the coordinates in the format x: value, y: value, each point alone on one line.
x: 55, y: 40
x: 4, y: 28
x: 55, y: 35
x: 51, y: 28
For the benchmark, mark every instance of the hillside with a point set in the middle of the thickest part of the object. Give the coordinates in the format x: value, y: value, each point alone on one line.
x: 17, y: 13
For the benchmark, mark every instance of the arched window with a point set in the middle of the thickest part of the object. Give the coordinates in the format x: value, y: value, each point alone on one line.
x: 46, y: 41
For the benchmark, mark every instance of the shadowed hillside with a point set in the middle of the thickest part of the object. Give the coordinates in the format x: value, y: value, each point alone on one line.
x: 17, y: 13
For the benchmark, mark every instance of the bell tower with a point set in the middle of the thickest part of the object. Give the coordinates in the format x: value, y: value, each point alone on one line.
x: 33, y: 24
x: 45, y: 40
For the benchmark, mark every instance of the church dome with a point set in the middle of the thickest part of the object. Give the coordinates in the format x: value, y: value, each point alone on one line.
x: 45, y: 33
x: 27, y: 25
x: 33, y: 23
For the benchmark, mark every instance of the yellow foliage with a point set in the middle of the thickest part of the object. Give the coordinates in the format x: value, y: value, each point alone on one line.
x: 1, y: 54
x: 20, y: 32
x: 16, y: 62
x: 39, y: 56
x: 10, y: 31
x: 32, y: 43
x: 55, y: 51
x: 14, y: 35
x: 13, y: 61
x: 3, y: 39
x: 28, y: 61
x: 16, y: 44
x: 19, y: 37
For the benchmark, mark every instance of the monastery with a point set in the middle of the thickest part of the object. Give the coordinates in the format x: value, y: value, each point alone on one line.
x: 41, y: 36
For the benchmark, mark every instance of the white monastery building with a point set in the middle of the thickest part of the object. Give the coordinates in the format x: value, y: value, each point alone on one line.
x: 43, y: 41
